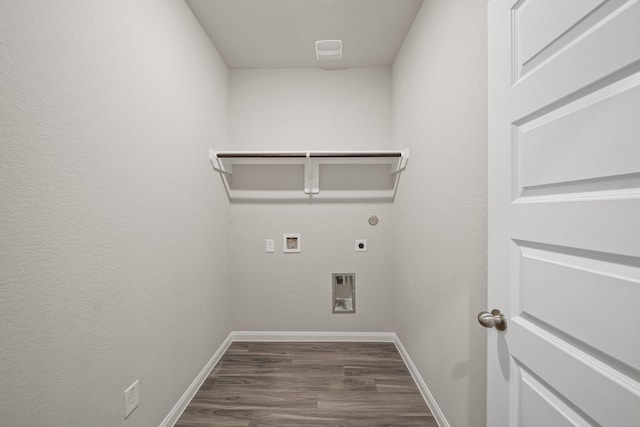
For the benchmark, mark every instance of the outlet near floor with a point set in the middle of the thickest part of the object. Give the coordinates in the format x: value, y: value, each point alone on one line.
x: 131, y: 398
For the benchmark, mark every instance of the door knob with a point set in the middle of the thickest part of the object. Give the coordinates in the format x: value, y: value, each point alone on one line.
x: 495, y: 319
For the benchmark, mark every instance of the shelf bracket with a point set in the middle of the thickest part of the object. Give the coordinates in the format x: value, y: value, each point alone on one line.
x: 311, y: 176
x: 401, y: 164
x: 216, y: 162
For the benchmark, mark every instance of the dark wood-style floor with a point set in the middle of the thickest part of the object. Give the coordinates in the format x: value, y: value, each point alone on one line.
x: 308, y: 384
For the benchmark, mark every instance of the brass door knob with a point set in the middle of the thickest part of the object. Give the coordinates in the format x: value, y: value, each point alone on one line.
x: 495, y: 319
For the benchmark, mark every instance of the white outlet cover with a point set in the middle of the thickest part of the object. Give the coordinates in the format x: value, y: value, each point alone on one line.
x: 131, y: 398
x: 361, y: 245
x: 270, y: 247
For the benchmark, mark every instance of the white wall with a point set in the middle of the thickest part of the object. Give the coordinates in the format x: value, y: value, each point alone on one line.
x: 298, y: 109
x: 306, y: 108
x: 114, y: 228
x: 121, y: 258
x: 439, y: 111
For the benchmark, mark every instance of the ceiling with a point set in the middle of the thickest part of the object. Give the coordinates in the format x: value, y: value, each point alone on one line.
x: 282, y: 33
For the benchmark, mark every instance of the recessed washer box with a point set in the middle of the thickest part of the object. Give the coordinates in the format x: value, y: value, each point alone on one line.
x: 343, y: 293
x: 291, y: 242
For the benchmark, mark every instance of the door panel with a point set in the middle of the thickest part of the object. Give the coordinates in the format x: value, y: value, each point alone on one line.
x: 586, y: 140
x: 574, y: 71
x: 553, y: 278
x: 564, y: 212
x: 540, y: 405
x: 605, y: 394
x: 534, y: 43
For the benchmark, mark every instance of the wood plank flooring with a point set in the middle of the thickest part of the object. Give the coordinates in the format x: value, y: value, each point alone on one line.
x: 311, y: 384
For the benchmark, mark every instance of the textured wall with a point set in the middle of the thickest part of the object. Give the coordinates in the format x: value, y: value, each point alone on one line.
x: 113, y: 226
x: 310, y: 109
x: 117, y: 245
x: 439, y: 111
x: 292, y: 291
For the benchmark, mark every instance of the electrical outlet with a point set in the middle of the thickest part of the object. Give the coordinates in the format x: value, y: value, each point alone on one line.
x: 131, y: 398
x: 270, y: 245
x: 361, y: 246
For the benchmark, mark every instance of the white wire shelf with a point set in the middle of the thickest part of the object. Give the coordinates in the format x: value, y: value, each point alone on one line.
x: 296, y: 175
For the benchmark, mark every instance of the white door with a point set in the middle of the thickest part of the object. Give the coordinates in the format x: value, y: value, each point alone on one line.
x: 564, y: 213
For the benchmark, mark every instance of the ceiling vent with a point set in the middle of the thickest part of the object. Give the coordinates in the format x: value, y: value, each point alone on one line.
x: 329, y: 50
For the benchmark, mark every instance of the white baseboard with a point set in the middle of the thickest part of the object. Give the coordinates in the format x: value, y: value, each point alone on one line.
x: 182, y: 403
x: 422, y: 386
x: 312, y: 336
x: 186, y: 397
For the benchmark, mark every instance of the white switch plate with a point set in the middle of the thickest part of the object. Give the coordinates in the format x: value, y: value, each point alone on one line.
x: 270, y: 245
x: 131, y: 398
x: 361, y: 245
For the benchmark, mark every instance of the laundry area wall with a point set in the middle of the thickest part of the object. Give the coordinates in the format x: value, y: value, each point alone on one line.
x: 440, y: 113
x: 310, y: 109
x: 114, y: 258
x: 123, y: 257
x: 424, y: 274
